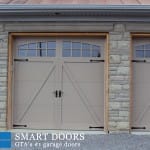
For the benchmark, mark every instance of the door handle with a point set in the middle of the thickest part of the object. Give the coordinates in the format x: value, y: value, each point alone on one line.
x: 56, y: 93
x: 60, y: 93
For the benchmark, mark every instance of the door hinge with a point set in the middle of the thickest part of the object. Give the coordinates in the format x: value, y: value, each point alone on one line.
x: 20, y: 59
x: 138, y: 60
x: 99, y: 127
x: 92, y: 60
x: 19, y: 125
x: 138, y: 128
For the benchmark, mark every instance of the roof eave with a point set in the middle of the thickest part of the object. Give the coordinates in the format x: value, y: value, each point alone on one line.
x: 35, y: 8
x: 65, y: 12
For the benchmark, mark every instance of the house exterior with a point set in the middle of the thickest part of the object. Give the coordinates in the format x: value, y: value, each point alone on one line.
x: 75, y: 67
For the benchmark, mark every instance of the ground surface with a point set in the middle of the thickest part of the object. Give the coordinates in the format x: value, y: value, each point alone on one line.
x: 117, y: 142
x: 95, y: 142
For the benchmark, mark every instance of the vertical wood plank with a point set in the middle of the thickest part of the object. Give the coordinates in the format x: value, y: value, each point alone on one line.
x: 131, y: 83
x: 106, y: 85
x: 9, y: 95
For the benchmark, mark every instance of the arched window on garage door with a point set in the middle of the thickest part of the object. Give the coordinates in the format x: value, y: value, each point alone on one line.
x: 78, y: 49
x: 37, y: 49
x: 69, y: 49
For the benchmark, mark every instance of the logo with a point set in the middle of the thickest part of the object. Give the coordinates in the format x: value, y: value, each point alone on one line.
x: 5, y: 140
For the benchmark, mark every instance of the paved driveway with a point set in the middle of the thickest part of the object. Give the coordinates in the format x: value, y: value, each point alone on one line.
x: 90, y: 142
x: 117, y: 142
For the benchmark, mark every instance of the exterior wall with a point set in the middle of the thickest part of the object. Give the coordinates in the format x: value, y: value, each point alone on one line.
x: 119, y: 66
x: 3, y: 76
x: 119, y: 78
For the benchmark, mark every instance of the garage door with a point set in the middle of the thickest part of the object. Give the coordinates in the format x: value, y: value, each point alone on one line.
x: 141, y: 85
x: 59, y: 83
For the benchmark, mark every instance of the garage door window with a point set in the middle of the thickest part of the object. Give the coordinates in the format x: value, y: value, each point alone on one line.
x: 38, y: 49
x: 78, y: 49
x: 142, y: 51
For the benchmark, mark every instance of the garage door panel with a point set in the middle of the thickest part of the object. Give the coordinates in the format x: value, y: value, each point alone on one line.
x: 82, y: 92
x: 140, y: 105
x: 93, y: 89
x: 30, y: 109
x: 92, y: 75
x: 30, y: 71
x: 36, y: 112
x: 33, y: 91
x: 141, y: 71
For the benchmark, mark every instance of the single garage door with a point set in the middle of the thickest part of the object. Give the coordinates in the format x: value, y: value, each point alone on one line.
x: 58, y: 83
x: 141, y: 84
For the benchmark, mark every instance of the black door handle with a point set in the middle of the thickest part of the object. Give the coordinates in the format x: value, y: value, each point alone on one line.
x: 60, y: 93
x: 56, y: 93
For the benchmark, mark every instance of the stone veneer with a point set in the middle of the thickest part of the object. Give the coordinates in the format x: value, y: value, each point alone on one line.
x: 119, y: 78
x: 3, y: 77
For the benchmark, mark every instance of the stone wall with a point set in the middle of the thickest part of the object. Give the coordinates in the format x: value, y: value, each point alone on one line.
x: 3, y: 77
x: 119, y: 78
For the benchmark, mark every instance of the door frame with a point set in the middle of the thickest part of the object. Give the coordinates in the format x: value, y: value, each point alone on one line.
x: 58, y: 34
x: 133, y: 35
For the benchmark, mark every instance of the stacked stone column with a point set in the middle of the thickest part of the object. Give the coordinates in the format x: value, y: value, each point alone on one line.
x: 3, y: 77
x: 119, y: 78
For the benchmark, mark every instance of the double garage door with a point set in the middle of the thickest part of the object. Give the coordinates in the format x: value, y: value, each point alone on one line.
x: 58, y: 83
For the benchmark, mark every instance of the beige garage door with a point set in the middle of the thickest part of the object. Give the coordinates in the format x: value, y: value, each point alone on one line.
x: 141, y: 85
x: 59, y: 83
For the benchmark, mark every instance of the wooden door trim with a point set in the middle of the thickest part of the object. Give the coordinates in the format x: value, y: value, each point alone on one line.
x: 58, y: 34
x: 133, y: 35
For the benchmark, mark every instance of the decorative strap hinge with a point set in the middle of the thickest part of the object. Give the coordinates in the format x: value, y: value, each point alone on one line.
x: 93, y: 60
x: 20, y: 59
x: 19, y: 125
x: 99, y: 127
x: 138, y: 60
x: 138, y: 128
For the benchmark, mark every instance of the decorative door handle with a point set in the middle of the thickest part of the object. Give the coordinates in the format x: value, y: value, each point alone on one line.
x: 60, y: 93
x: 56, y: 93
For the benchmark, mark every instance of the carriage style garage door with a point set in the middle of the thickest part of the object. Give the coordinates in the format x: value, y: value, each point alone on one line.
x: 58, y: 83
x: 141, y: 84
